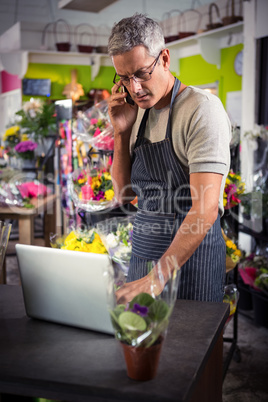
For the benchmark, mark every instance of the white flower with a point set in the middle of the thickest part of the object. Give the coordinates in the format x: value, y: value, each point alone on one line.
x: 112, y: 240
x: 32, y: 106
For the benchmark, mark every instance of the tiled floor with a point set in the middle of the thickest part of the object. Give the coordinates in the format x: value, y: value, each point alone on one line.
x: 245, y: 381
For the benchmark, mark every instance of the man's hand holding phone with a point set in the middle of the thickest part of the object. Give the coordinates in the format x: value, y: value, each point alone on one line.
x: 122, y: 110
x: 128, y: 99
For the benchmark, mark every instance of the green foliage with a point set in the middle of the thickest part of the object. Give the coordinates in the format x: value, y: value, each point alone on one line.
x: 40, y: 123
x: 141, y: 322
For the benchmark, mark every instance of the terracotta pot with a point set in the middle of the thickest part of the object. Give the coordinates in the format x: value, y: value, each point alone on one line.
x: 142, y: 363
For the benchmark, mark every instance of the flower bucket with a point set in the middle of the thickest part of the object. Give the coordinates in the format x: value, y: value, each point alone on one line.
x: 28, y: 164
x: 245, y: 297
x: 142, y: 363
x: 260, y: 307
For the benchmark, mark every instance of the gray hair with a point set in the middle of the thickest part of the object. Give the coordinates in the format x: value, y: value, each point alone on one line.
x: 135, y: 31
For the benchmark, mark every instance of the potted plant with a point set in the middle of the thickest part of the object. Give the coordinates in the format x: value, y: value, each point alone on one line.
x: 25, y: 151
x: 37, y: 119
x: 141, y: 325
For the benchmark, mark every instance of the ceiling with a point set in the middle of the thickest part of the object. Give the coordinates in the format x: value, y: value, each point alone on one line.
x: 85, y: 5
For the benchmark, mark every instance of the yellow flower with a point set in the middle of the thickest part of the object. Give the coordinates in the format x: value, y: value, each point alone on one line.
x: 107, y: 176
x: 24, y: 137
x: 229, y: 244
x: 238, y: 253
x: 109, y: 195
x: 95, y: 183
x: 14, y: 130
x: 83, y: 180
x: 74, y: 242
x: 70, y: 236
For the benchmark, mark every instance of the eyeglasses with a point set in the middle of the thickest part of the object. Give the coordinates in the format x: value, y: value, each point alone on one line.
x: 139, y: 76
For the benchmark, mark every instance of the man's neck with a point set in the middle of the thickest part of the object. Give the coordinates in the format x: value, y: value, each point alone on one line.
x: 166, y: 99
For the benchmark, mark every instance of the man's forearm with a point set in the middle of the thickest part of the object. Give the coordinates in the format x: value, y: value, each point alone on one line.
x: 188, y: 238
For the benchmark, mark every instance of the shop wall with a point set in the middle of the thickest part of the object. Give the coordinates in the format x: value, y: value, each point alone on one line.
x: 195, y: 70
x: 9, y: 82
x: 60, y: 75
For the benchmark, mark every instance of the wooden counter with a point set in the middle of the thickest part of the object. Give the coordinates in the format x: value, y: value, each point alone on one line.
x: 25, y: 217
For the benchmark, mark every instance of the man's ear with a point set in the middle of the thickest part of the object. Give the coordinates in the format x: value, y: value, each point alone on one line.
x: 166, y: 59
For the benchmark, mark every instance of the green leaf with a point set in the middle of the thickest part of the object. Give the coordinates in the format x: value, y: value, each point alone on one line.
x: 158, y: 311
x: 115, y: 314
x: 143, y: 299
x: 131, y: 321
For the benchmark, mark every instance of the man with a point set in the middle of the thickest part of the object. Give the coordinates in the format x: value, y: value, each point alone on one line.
x: 172, y: 151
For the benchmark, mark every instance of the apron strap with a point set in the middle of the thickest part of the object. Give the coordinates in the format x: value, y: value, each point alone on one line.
x: 142, y: 127
x: 175, y: 90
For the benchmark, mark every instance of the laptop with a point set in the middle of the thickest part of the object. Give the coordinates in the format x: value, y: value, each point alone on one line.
x: 67, y: 287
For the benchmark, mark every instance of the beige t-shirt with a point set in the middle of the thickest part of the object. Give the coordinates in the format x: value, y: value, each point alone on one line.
x: 201, y: 133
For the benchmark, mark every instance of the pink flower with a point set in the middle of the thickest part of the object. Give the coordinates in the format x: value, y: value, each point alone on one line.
x: 87, y: 192
x: 93, y: 121
x: 97, y: 132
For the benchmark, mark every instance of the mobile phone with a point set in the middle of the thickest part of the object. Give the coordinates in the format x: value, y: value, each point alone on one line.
x: 128, y: 99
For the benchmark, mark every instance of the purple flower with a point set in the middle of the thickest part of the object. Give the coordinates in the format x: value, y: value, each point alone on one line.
x: 25, y: 146
x: 140, y: 310
x: 99, y: 196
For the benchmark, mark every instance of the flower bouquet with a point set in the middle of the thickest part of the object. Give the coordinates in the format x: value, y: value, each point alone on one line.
x: 116, y: 234
x: 233, y: 254
x: 94, y: 127
x: 11, y: 138
x: 141, y: 325
x: 78, y: 240
x: 233, y: 189
x: 92, y: 190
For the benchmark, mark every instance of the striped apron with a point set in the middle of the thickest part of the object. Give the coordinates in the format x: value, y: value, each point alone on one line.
x: 164, y: 199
